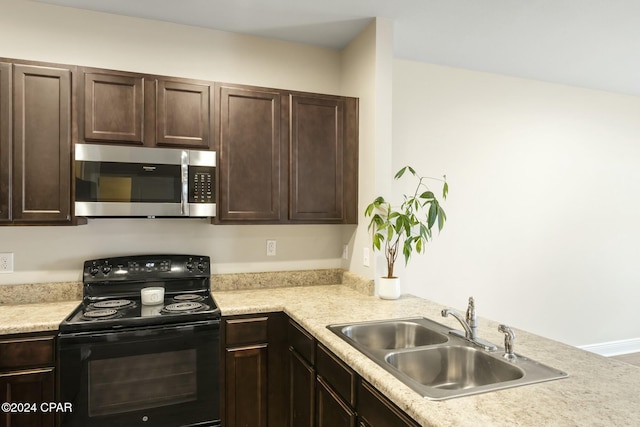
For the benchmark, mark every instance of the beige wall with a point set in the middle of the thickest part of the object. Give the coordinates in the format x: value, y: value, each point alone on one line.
x: 38, y: 31
x: 367, y: 70
x: 543, y: 208
x: 35, y: 31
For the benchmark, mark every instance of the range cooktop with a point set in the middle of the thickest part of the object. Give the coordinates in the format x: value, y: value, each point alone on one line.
x: 111, y: 293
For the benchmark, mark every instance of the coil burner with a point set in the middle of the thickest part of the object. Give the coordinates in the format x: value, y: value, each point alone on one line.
x: 188, y: 298
x: 184, y: 307
x: 104, y: 313
x: 113, y: 303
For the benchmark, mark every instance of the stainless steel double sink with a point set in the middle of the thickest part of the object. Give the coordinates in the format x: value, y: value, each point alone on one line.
x: 425, y: 356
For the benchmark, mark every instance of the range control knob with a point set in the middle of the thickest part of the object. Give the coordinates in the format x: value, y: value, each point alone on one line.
x: 93, y: 270
x: 201, y: 265
x: 106, y: 268
x: 189, y: 265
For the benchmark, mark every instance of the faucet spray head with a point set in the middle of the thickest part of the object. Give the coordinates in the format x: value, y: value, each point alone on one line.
x: 471, y: 313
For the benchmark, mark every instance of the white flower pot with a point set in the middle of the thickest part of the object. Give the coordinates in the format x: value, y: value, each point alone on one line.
x: 389, y: 288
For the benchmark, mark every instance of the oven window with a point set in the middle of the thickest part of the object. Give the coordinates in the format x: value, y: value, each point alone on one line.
x: 128, y: 182
x: 131, y: 383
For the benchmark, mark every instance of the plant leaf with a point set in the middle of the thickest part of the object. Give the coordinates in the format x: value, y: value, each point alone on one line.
x: 433, y: 214
x: 427, y: 195
x: 442, y: 217
x: 400, y: 173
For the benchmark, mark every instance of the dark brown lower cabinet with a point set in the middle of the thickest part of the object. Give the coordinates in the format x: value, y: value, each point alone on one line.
x: 29, y: 389
x: 342, y: 398
x: 331, y: 410
x: 302, y: 378
x: 375, y: 410
x: 27, y: 376
x: 246, y: 391
x: 255, y: 371
x: 276, y: 374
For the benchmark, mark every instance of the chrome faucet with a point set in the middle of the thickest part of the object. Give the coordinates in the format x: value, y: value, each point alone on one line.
x: 509, y: 338
x: 468, y: 332
x: 470, y: 325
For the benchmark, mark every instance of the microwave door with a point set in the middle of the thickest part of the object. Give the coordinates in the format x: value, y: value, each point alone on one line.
x: 106, y: 188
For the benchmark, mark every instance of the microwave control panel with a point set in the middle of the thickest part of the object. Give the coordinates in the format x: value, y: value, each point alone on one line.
x: 201, y: 184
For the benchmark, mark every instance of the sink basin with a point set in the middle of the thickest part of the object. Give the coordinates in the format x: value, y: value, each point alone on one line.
x: 393, y: 335
x: 453, y: 367
x: 439, y: 365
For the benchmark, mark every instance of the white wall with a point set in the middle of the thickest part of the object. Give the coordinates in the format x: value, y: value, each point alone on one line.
x: 543, y: 210
x: 36, y: 31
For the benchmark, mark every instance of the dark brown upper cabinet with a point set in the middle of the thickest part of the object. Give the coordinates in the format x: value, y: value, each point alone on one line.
x: 5, y: 141
x: 250, y: 154
x: 113, y: 107
x: 35, y: 144
x: 183, y: 113
x: 317, y: 146
x: 117, y: 107
x: 286, y: 157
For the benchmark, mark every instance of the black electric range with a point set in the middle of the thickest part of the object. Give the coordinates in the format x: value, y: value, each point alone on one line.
x: 111, y: 293
x: 123, y: 363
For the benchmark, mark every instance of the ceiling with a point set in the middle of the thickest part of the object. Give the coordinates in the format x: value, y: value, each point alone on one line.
x: 587, y: 43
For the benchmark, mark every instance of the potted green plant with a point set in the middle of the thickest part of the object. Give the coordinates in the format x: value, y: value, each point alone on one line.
x: 405, y: 228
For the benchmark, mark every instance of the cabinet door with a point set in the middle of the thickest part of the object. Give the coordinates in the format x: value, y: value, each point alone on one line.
x: 5, y: 141
x: 375, y: 410
x: 182, y: 114
x: 113, y: 107
x: 301, y: 391
x: 42, y: 144
x: 33, y: 387
x: 331, y: 411
x: 246, y: 387
x: 250, y: 155
x: 317, y: 156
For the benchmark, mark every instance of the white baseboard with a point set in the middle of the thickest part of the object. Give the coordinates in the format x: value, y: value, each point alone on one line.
x: 614, y: 348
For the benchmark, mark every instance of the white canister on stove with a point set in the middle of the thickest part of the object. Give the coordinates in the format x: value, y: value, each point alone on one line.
x: 152, y: 296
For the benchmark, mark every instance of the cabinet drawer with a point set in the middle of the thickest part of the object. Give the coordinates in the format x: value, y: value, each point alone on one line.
x: 336, y: 373
x: 302, y: 342
x: 247, y: 330
x: 18, y: 353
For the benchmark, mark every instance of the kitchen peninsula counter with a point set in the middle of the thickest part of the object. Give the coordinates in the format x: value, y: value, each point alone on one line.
x: 598, y: 392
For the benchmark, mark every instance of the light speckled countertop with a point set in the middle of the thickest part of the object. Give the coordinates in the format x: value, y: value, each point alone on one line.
x: 599, y: 391
x: 36, y: 317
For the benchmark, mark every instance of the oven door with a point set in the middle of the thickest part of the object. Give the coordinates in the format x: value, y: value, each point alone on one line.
x: 152, y: 376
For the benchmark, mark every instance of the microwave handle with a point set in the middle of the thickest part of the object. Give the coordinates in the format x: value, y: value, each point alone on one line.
x: 184, y: 199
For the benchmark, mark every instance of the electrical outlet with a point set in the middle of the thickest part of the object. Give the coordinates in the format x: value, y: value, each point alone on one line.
x: 365, y: 257
x: 345, y: 251
x: 6, y: 262
x: 271, y: 248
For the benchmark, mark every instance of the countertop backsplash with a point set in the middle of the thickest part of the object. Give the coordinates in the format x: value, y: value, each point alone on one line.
x: 35, y: 293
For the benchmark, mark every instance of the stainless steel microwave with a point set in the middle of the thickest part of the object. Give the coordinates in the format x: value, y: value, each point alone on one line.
x: 122, y: 181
